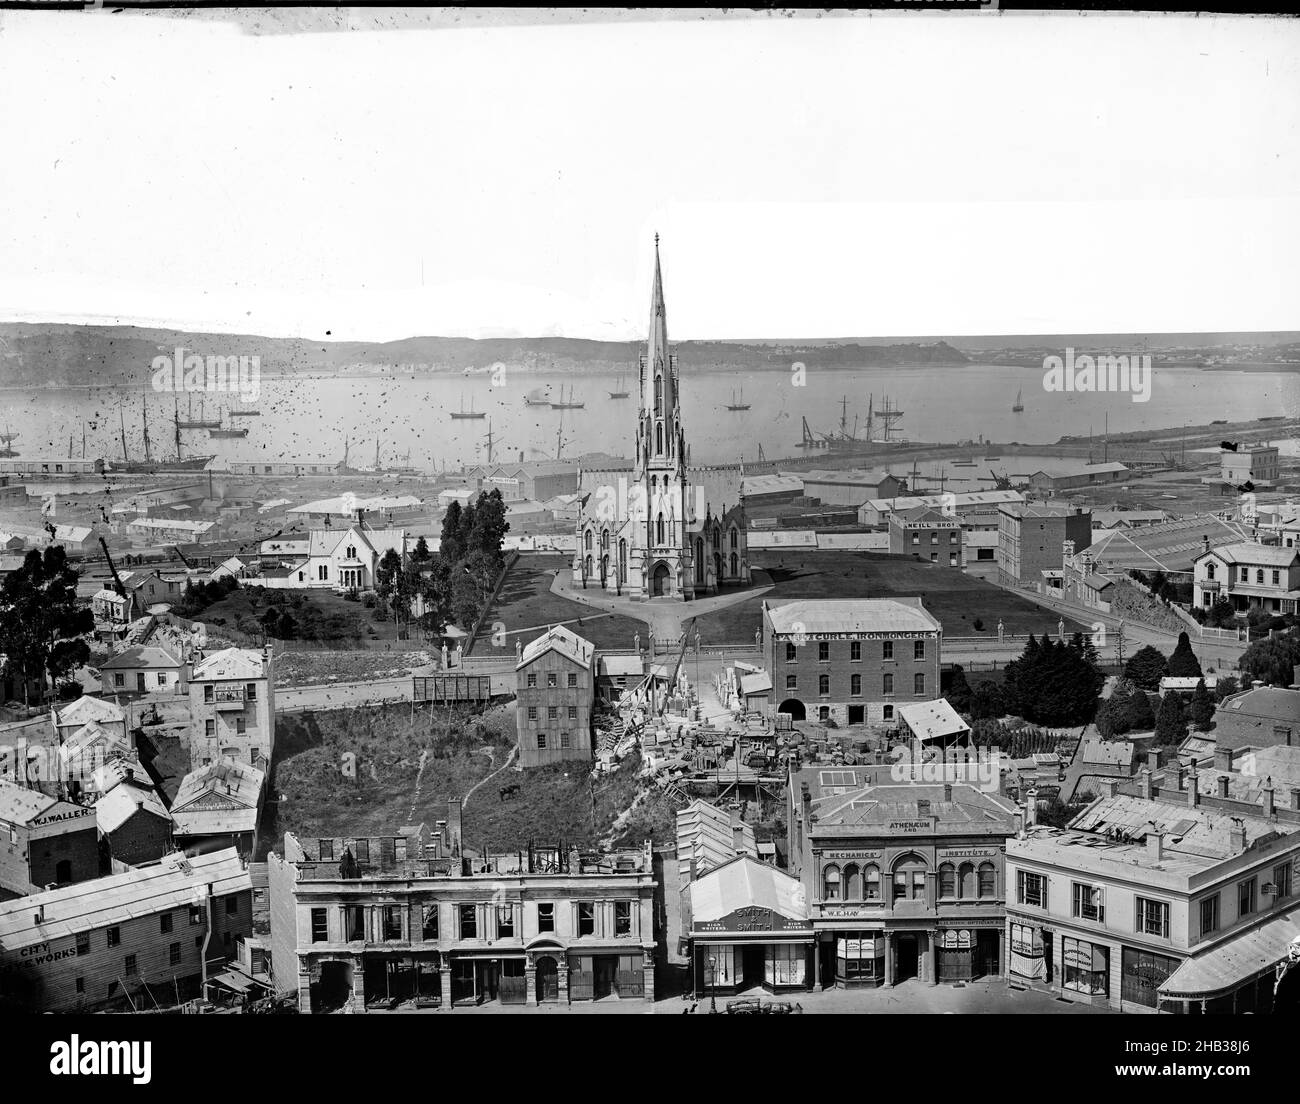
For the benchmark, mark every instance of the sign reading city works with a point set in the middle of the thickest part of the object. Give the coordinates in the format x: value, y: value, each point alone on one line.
x: 753, y: 918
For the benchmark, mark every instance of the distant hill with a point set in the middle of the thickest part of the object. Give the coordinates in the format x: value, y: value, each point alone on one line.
x: 64, y: 355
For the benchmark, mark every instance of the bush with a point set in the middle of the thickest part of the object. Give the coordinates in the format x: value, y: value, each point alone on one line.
x: 351, y: 595
x: 368, y: 600
x: 978, y: 624
x: 69, y: 690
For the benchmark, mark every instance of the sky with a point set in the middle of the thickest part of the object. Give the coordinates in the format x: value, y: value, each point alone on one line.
x: 809, y: 177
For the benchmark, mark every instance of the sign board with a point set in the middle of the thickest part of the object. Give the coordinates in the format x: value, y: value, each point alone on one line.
x: 910, y: 826
x: 896, y: 634
x: 955, y: 939
x: 753, y: 918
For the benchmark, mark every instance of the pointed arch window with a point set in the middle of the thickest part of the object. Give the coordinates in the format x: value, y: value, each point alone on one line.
x: 659, y: 394
x: 733, y: 538
x: 586, y: 540
x: 659, y: 528
x: 735, y: 565
x: 659, y: 438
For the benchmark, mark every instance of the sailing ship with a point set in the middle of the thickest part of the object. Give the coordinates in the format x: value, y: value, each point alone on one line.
x: 228, y: 431
x: 8, y: 437
x: 470, y: 413
x: 150, y: 466
x: 191, y: 422
x: 570, y: 404
x: 244, y: 412
x: 1018, y: 405
x: 537, y: 397
x: 734, y: 405
x: 621, y: 393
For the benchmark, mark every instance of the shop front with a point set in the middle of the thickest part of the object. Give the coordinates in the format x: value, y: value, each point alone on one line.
x: 859, y: 958
x: 597, y: 975
x: 1028, y: 951
x: 968, y: 949
x: 480, y: 979
x: 1085, y: 968
x: 1142, y: 973
x: 750, y: 928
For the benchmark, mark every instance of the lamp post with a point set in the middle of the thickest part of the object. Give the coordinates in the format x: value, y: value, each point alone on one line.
x: 713, y: 985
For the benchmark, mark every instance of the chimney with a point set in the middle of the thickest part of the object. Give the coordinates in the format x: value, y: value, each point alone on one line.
x: 453, y: 824
x: 1222, y: 758
x: 1144, y: 781
x: 1223, y: 786
x: 1182, y: 776
x: 1205, y: 545
x: 1155, y: 842
x: 1109, y: 787
x: 1193, y: 789
x: 1237, y: 838
x: 1267, y: 794
x: 1019, y: 819
x: 947, y: 791
x: 1153, y: 760
x: 1031, y: 808
x: 130, y: 774
x: 39, y: 915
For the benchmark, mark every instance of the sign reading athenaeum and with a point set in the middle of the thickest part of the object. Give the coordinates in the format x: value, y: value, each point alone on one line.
x: 753, y: 918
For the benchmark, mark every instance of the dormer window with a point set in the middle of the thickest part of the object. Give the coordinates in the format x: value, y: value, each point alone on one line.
x: 352, y: 551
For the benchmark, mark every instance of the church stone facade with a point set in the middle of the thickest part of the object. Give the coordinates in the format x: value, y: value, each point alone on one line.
x: 663, y: 530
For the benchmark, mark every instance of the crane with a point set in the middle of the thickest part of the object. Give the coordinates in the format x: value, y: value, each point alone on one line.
x: 118, y: 586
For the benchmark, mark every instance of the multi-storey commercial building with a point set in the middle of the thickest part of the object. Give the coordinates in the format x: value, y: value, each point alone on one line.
x: 1031, y: 540
x: 142, y: 939
x: 44, y: 841
x: 927, y: 535
x: 232, y: 707
x: 556, y: 686
x: 1157, y: 901
x: 1250, y: 576
x: 850, y: 660
x: 904, y: 879
x: 411, y: 918
x: 1256, y: 464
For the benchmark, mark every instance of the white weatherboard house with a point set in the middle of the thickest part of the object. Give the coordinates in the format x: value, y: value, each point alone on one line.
x: 337, y: 559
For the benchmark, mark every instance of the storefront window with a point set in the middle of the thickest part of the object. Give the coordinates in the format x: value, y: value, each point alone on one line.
x: 1141, y: 975
x: 956, y: 954
x: 722, y: 973
x: 1086, y: 967
x: 784, y: 964
x: 860, y: 958
x: 1026, y: 958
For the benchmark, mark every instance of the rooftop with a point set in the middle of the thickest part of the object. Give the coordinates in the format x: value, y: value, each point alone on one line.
x: 122, y: 802
x: 851, y: 615
x: 932, y: 719
x: 148, y: 656
x: 230, y: 663
x: 86, y: 708
x: 870, y: 801
x: 1249, y: 552
x: 172, y: 882
x: 744, y: 882
x: 19, y: 805
x: 562, y: 640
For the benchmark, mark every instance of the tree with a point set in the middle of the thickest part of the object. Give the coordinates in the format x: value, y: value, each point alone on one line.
x: 1141, y: 716
x: 1272, y: 660
x: 1202, y: 707
x: 987, y: 700
x: 1183, y: 662
x: 959, y: 691
x: 450, y: 547
x: 1225, y: 687
x: 41, y: 621
x: 1171, y: 722
x: 1146, y: 668
x: 271, y: 621
x: 421, y: 554
x: 490, y: 525
x: 1053, y: 683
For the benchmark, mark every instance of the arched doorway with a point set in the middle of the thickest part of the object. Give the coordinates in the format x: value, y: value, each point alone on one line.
x: 659, y: 580
x: 794, y: 707
x: 548, y: 979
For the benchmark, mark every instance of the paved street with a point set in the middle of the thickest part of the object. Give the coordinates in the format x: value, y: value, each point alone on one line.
x: 978, y: 998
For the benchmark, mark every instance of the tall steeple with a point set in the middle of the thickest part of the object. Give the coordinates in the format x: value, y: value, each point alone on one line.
x: 660, y: 444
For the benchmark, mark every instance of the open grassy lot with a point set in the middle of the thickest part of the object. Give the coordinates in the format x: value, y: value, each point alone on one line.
x: 526, y: 606
x: 298, y: 668
x: 325, y: 621
x: 554, y: 805
x: 311, y: 794
x: 956, y: 599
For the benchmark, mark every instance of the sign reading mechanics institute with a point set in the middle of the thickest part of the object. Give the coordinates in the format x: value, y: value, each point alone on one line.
x: 753, y: 918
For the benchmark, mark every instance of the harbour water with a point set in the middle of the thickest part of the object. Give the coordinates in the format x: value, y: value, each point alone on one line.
x: 309, y: 419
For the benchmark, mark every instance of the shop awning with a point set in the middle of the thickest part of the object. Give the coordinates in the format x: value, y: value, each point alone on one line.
x: 730, y: 939
x: 1234, y: 963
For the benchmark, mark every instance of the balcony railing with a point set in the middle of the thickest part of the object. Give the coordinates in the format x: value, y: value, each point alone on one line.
x: 228, y: 697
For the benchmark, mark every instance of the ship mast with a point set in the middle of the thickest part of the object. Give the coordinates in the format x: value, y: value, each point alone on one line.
x: 178, y: 428
x: 144, y: 415
x: 122, y: 418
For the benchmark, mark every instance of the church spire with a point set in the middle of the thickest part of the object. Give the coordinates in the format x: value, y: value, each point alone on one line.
x: 658, y: 349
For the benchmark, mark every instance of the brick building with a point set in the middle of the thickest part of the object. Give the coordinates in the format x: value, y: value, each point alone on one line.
x: 850, y: 660
x: 926, y: 534
x: 556, y: 686
x: 44, y: 841
x: 1031, y: 540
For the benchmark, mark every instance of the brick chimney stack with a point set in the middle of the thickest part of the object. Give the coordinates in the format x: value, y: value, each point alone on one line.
x: 1155, y: 842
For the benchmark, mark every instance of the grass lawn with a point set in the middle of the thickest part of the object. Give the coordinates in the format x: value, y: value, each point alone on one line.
x: 332, y: 621
x: 954, y: 598
x: 298, y: 668
x: 549, y: 807
x: 526, y: 605
x: 311, y: 796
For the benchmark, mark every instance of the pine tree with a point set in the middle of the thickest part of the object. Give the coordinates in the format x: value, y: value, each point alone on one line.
x: 1147, y: 667
x: 959, y: 691
x: 1171, y: 723
x: 1183, y: 663
x: 1202, y: 708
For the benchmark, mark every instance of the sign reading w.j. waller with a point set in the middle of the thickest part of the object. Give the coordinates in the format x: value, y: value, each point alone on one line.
x: 753, y: 918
